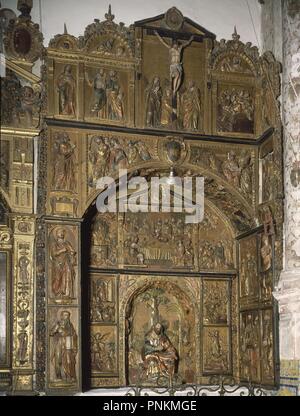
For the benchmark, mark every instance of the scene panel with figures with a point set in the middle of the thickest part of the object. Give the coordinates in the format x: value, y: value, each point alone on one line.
x: 234, y: 165
x: 160, y: 336
x: 216, y: 332
x: 217, y: 350
x: 104, y: 350
x: 106, y: 95
x: 216, y: 244
x: 216, y: 302
x: 20, y: 100
x: 235, y: 110
x: 104, y: 241
x: 107, y: 153
x: 103, y: 299
x: 158, y: 240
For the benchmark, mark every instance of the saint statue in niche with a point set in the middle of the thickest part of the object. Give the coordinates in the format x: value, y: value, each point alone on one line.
x: 64, y: 349
x: 176, y: 67
x: 63, y: 177
x: 63, y: 258
x: 159, y: 355
x: 66, y: 88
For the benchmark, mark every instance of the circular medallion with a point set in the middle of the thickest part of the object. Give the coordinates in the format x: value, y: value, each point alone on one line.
x: 174, y: 19
x: 172, y: 150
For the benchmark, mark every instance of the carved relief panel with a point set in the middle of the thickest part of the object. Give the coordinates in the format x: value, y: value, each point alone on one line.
x: 216, y: 327
x: 20, y: 100
x: 158, y: 240
x: 235, y: 109
x: 216, y: 246
x: 107, y: 95
x: 160, y: 323
x: 63, y: 306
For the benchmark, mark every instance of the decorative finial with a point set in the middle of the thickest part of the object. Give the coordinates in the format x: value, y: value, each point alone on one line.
x: 24, y: 6
x: 235, y: 35
x: 65, y: 29
x: 109, y: 16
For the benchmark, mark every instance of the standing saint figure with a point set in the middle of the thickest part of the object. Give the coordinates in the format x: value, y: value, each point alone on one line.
x: 232, y: 170
x: 66, y: 87
x: 63, y: 258
x: 153, y: 103
x: 191, y: 107
x: 115, y: 98
x: 176, y: 67
x: 64, y: 166
x: 64, y: 348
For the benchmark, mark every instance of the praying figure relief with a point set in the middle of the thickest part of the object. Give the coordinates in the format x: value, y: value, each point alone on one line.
x: 63, y: 262
x: 66, y: 85
x: 64, y: 349
x: 176, y: 67
x: 64, y: 166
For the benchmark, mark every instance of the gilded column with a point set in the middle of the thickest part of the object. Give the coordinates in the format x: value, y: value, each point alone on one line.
x: 288, y: 290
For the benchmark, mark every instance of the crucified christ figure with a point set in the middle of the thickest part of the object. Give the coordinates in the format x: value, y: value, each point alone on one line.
x: 176, y: 68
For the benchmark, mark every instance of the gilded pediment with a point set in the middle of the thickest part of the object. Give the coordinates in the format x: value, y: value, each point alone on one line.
x: 173, y: 20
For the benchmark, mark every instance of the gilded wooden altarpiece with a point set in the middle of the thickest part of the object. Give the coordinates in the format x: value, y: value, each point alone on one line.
x: 127, y: 298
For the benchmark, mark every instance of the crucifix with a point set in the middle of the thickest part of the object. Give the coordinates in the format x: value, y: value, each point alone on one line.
x: 176, y: 66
